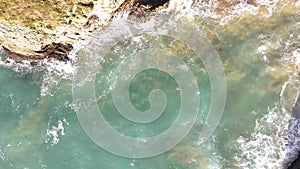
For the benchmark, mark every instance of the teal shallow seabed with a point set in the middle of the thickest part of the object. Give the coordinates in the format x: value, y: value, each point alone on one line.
x: 39, y: 126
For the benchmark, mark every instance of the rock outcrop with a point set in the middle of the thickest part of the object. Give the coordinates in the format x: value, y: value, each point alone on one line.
x: 34, y: 30
x: 40, y: 29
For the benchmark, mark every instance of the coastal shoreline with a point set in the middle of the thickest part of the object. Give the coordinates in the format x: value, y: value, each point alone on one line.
x: 33, y: 44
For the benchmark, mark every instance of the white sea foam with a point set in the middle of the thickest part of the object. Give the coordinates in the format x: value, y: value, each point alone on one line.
x: 52, y: 70
x: 296, y: 56
x: 273, y: 143
x: 266, y: 146
x: 61, y: 68
x: 270, y: 4
x: 55, y: 131
x: 263, y: 50
x: 297, y: 4
x: 65, y: 69
x: 207, y: 9
x: 293, y: 146
x: 180, y: 5
x: 2, y: 155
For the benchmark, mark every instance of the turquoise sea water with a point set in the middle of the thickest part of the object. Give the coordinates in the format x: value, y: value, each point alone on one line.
x: 40, y: 128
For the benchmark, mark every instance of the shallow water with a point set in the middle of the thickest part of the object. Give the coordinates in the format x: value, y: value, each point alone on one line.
x: 40, y: 128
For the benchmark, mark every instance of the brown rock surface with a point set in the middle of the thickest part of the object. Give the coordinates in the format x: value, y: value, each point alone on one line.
x: 39, y: 29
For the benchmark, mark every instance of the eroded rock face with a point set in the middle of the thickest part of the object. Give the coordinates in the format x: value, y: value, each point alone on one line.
x: 28, y: 27
x: 41, y: 29
x: 35, y: 30
x: 143, y: 10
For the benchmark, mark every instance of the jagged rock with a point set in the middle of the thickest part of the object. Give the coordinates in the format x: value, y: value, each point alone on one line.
x: 41, y: 29
x: 35, y: 30
x: 57, y: 50
x: 142, y: 10
x: 26, y: 27
x: 152, y: 4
